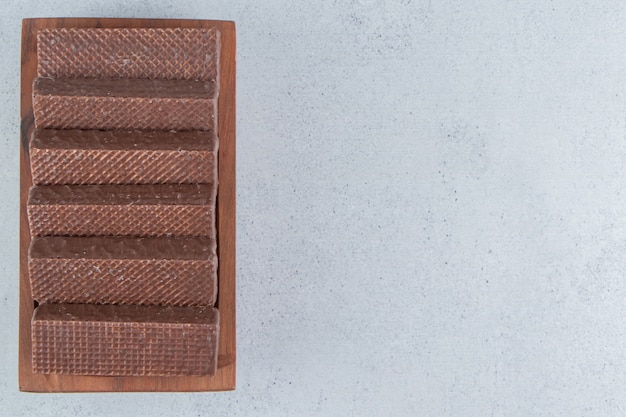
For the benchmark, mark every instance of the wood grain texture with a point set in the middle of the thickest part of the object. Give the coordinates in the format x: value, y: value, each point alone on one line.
x: 224, y: 379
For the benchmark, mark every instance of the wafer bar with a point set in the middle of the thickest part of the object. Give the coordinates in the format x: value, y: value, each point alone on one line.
x: 122, y: 210
x: 105, y: 340
x: 118, y: 103
x: 123, y: 270
x: 163, y: 53
x: 122, y: 157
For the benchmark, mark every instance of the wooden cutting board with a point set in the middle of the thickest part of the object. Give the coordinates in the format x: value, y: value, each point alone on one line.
x: 224, y: 379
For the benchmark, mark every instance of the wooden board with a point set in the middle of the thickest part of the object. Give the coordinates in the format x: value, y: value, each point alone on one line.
x: 224, y: 379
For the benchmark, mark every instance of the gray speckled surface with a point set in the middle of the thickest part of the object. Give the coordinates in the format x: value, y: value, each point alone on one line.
x: 431, y: 209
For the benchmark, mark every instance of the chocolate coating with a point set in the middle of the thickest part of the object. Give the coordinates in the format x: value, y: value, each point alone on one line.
x: 124, y: 104
x: 123, y: 210
x: 163, y: 53
x: 97, y: 247
x: 159, y: 194
x: 124, y: 87
x: 124, y: 140
x: 98, y: 340
x: 81, y: 157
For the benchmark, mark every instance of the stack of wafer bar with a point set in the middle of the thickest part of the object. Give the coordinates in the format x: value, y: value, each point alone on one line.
x: 123, y: 254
